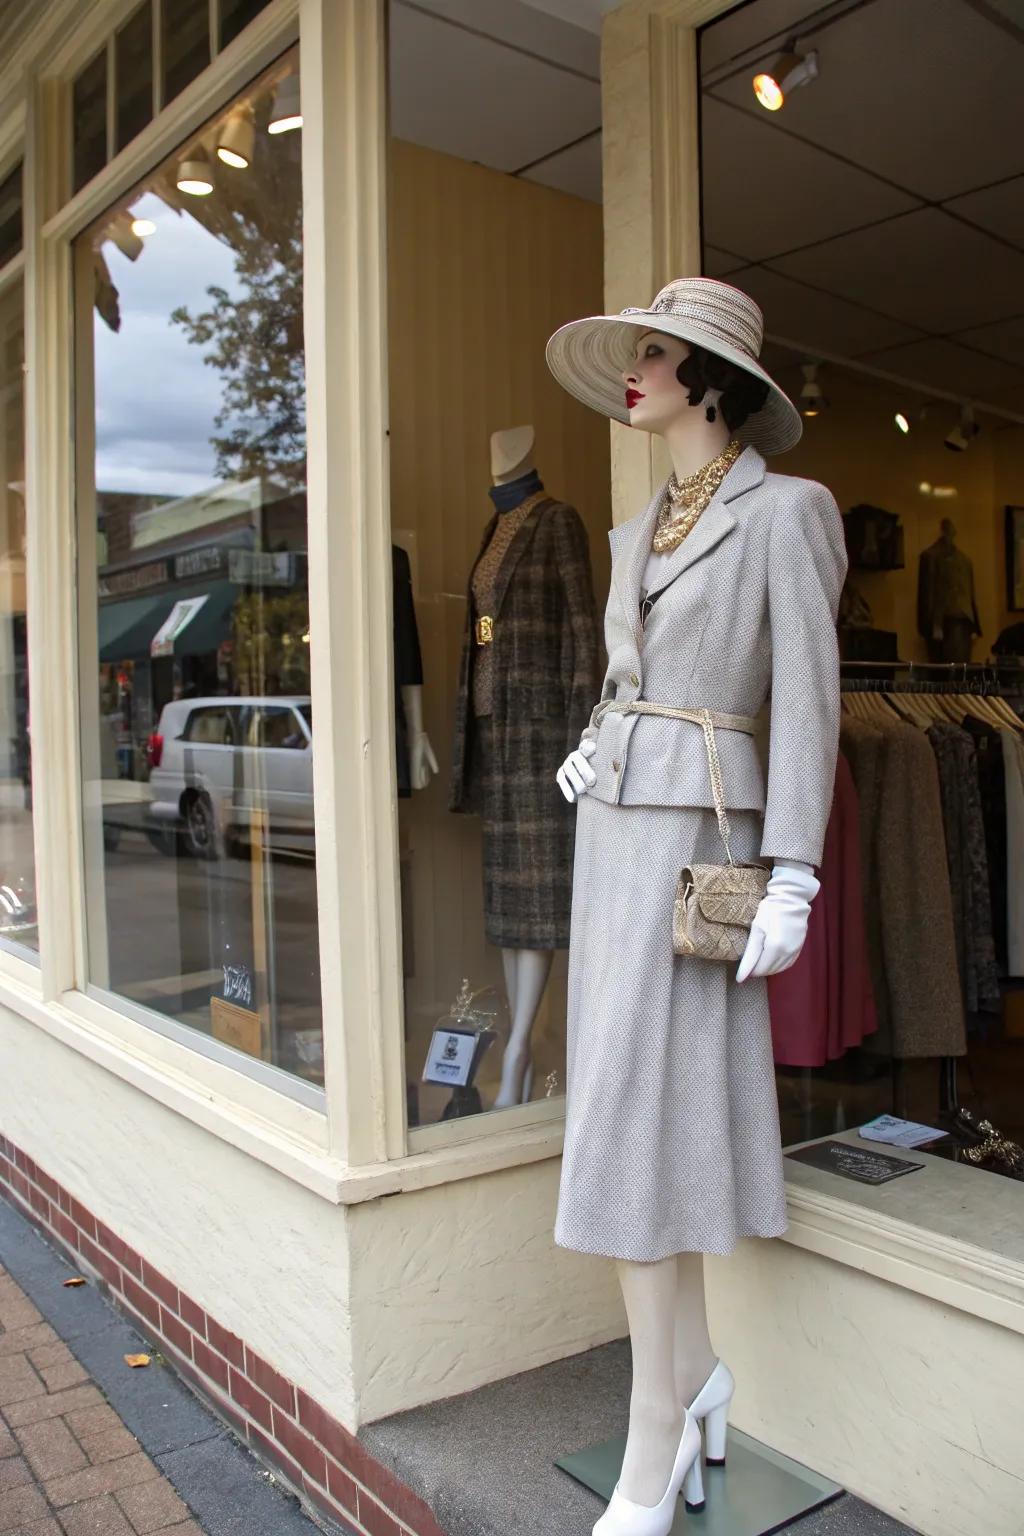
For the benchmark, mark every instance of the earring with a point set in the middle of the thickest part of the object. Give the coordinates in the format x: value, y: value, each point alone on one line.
x: 711, y: 413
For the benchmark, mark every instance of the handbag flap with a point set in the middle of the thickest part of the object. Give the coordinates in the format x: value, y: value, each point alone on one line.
x: 728, y: 893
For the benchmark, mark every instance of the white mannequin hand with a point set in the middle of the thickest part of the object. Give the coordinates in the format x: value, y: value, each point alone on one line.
x: 576, y: 776
x: 779, y: 928
x: 422, y: 762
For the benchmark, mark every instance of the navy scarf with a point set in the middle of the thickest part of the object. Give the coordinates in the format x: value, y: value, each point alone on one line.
x: 508, y: 496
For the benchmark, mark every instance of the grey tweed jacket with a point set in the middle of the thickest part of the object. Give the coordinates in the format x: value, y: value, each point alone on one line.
x: 747, y: 611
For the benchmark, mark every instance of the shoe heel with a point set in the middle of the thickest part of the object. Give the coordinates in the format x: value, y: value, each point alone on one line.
x: 693, y: 1488
x: 716, y: 1427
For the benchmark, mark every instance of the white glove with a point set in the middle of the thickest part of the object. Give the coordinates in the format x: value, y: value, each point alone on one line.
x: 576, y: 776
x: 779, y: 928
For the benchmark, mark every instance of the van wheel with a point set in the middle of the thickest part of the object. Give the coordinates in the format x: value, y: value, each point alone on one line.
x: 200, y: 827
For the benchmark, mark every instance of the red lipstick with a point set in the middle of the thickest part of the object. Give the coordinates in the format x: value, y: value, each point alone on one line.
x: 632, y: 396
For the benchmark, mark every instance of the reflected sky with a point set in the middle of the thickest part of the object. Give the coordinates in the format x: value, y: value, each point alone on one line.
x: 155, y: 397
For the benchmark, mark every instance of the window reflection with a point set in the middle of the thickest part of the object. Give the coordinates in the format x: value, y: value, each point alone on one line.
x: 200, y: 848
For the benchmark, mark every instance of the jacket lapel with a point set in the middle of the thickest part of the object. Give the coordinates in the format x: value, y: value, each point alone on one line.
x: 631, y: 541
x: 514, y: 553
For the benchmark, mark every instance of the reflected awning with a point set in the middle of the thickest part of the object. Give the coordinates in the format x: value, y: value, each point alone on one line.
x: 127, y: 627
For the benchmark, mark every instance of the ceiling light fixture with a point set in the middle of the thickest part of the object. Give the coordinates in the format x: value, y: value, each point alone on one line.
x: 959, y: 440
x: 812, y: 401
x: 785, y: 74
x: 195, y: 173
x: 143, y: 227
x: 902, y: 422
x: 286, y: 113
x: 235, y: 139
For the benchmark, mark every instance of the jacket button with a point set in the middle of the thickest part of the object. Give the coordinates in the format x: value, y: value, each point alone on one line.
x: 616, y: 765
x: 634, y: 680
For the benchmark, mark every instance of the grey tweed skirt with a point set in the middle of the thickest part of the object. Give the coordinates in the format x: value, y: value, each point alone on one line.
x: 672, y: 1123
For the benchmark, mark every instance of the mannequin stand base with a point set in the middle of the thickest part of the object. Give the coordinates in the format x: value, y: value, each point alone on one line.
x: 758, y: 1492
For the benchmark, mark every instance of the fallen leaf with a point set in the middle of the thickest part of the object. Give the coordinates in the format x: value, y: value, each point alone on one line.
x: 137, y: 1359
x: 76, y: 1281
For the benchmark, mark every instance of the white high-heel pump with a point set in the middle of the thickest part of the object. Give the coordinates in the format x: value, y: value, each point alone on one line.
x: 624, y: 1518
x: 712, y: 1405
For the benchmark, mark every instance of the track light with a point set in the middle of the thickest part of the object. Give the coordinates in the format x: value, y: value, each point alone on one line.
x: 195, y: 173
x: 812, y: 401
x: 902, y: 422
x: 143, y: 227
x: 786, y: 73
x: 235, y: 139
x: 959, y: 440
x: 286, y: 113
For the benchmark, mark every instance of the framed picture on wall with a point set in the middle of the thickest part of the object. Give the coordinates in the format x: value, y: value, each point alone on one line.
x: 1015, y: 558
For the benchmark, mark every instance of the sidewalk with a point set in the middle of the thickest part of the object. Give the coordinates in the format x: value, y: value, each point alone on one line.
x: 90, y: 1446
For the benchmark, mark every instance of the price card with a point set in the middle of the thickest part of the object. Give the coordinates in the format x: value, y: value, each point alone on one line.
x: 450, y: 1057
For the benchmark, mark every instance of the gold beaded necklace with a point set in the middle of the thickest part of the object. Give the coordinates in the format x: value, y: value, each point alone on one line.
x: 687, y: 498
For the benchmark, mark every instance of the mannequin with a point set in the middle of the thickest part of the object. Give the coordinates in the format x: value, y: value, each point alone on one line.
x: 684, y: 1179
x: 533, y: 544
x: 947, y: 611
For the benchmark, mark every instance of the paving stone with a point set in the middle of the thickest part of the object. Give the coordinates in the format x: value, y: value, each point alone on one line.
x: 96, y: 1517
x: 14, y: 1473
x: 21, y: 1505
x: 31, y: 1409
x: 109, y: 1444
x: 108, y: 1477
x: 15, y: 1340
x: 51, y: 1448
x: 18, y: 1380
x: 152, y: 1507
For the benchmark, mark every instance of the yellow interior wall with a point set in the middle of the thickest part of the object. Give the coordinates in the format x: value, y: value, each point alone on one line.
x: 855, y: 449
x: 482, y: 268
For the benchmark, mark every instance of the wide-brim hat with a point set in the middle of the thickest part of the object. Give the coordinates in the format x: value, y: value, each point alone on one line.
x: 589, y: 357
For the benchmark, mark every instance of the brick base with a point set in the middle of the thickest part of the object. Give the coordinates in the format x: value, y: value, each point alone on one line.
x: 321, y: 1461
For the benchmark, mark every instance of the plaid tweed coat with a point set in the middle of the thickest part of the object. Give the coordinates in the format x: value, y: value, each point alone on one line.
x: 545, y: 680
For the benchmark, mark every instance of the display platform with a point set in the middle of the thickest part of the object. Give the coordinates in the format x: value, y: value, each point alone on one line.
x: 756, y: 1492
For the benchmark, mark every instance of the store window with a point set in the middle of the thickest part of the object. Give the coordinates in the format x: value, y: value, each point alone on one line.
x: 194, y: 610
x: 17, y: 862
x: 861, y: 204
x: 10, y: 215
x: 495, y: 238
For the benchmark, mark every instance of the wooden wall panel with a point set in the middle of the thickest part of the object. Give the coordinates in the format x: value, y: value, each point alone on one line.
x: 482, y: 268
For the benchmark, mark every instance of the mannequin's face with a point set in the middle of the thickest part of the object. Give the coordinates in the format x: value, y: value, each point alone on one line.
x: 654, y: 396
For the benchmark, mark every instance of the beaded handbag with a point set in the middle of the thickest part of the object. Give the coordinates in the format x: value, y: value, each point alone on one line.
x: 715, y: 904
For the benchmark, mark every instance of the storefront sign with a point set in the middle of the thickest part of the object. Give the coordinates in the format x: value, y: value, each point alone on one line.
x: 450, y: 1057
x: 199, y: 562
x: 852, y: 1162
x: 180, y: 616
x: 116, y: 583
x: 261, y: 568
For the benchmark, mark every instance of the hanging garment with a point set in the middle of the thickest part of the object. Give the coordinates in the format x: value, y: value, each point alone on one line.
x: 968, y: 866
x: 862, y: 746
x: 909, y: 889
x: 823, y: 1005
x: 988, y: 749
x: 1013, y: 762
x: 672, y: 1126
x: 408, y: 661
x: 543, y: 680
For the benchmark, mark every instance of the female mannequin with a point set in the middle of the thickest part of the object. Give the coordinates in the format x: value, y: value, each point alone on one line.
x: 672, y: 1141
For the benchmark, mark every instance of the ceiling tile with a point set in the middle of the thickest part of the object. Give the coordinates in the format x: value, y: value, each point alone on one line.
x: 944, y: 365
x: 817, y: 322
x: 719, y: 263
x: 469, y: 96
x: 524, y: 25
x: 1005, y: 340
x: 925, y: 93
x: 576, y: 170
x: 1000, y: 209
x: 739, y: 29
x: 775, y: 213
x: 910, y: 269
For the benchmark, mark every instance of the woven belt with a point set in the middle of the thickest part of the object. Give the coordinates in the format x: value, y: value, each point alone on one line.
x: 745, y: 723
x: 707, y: 719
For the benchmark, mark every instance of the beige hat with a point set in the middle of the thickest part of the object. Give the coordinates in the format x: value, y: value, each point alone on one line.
x: 589, y: 357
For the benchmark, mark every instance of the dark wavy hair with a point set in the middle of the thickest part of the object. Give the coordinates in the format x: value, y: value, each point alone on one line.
x: 742, y: 394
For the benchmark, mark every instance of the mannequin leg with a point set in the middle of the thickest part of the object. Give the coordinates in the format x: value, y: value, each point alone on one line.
x: 694, y: 1357
x: 526, y: 976
x: 651, y: 1294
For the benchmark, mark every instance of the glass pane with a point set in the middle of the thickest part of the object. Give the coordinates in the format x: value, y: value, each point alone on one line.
x: 17, y: 862
x: 89, y: 121
x: 200, y: 848
x: 478, y: 279
x: 10, y: 215
x: 186, y: 43
x: 133, y: 65
x: 236, y: 14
